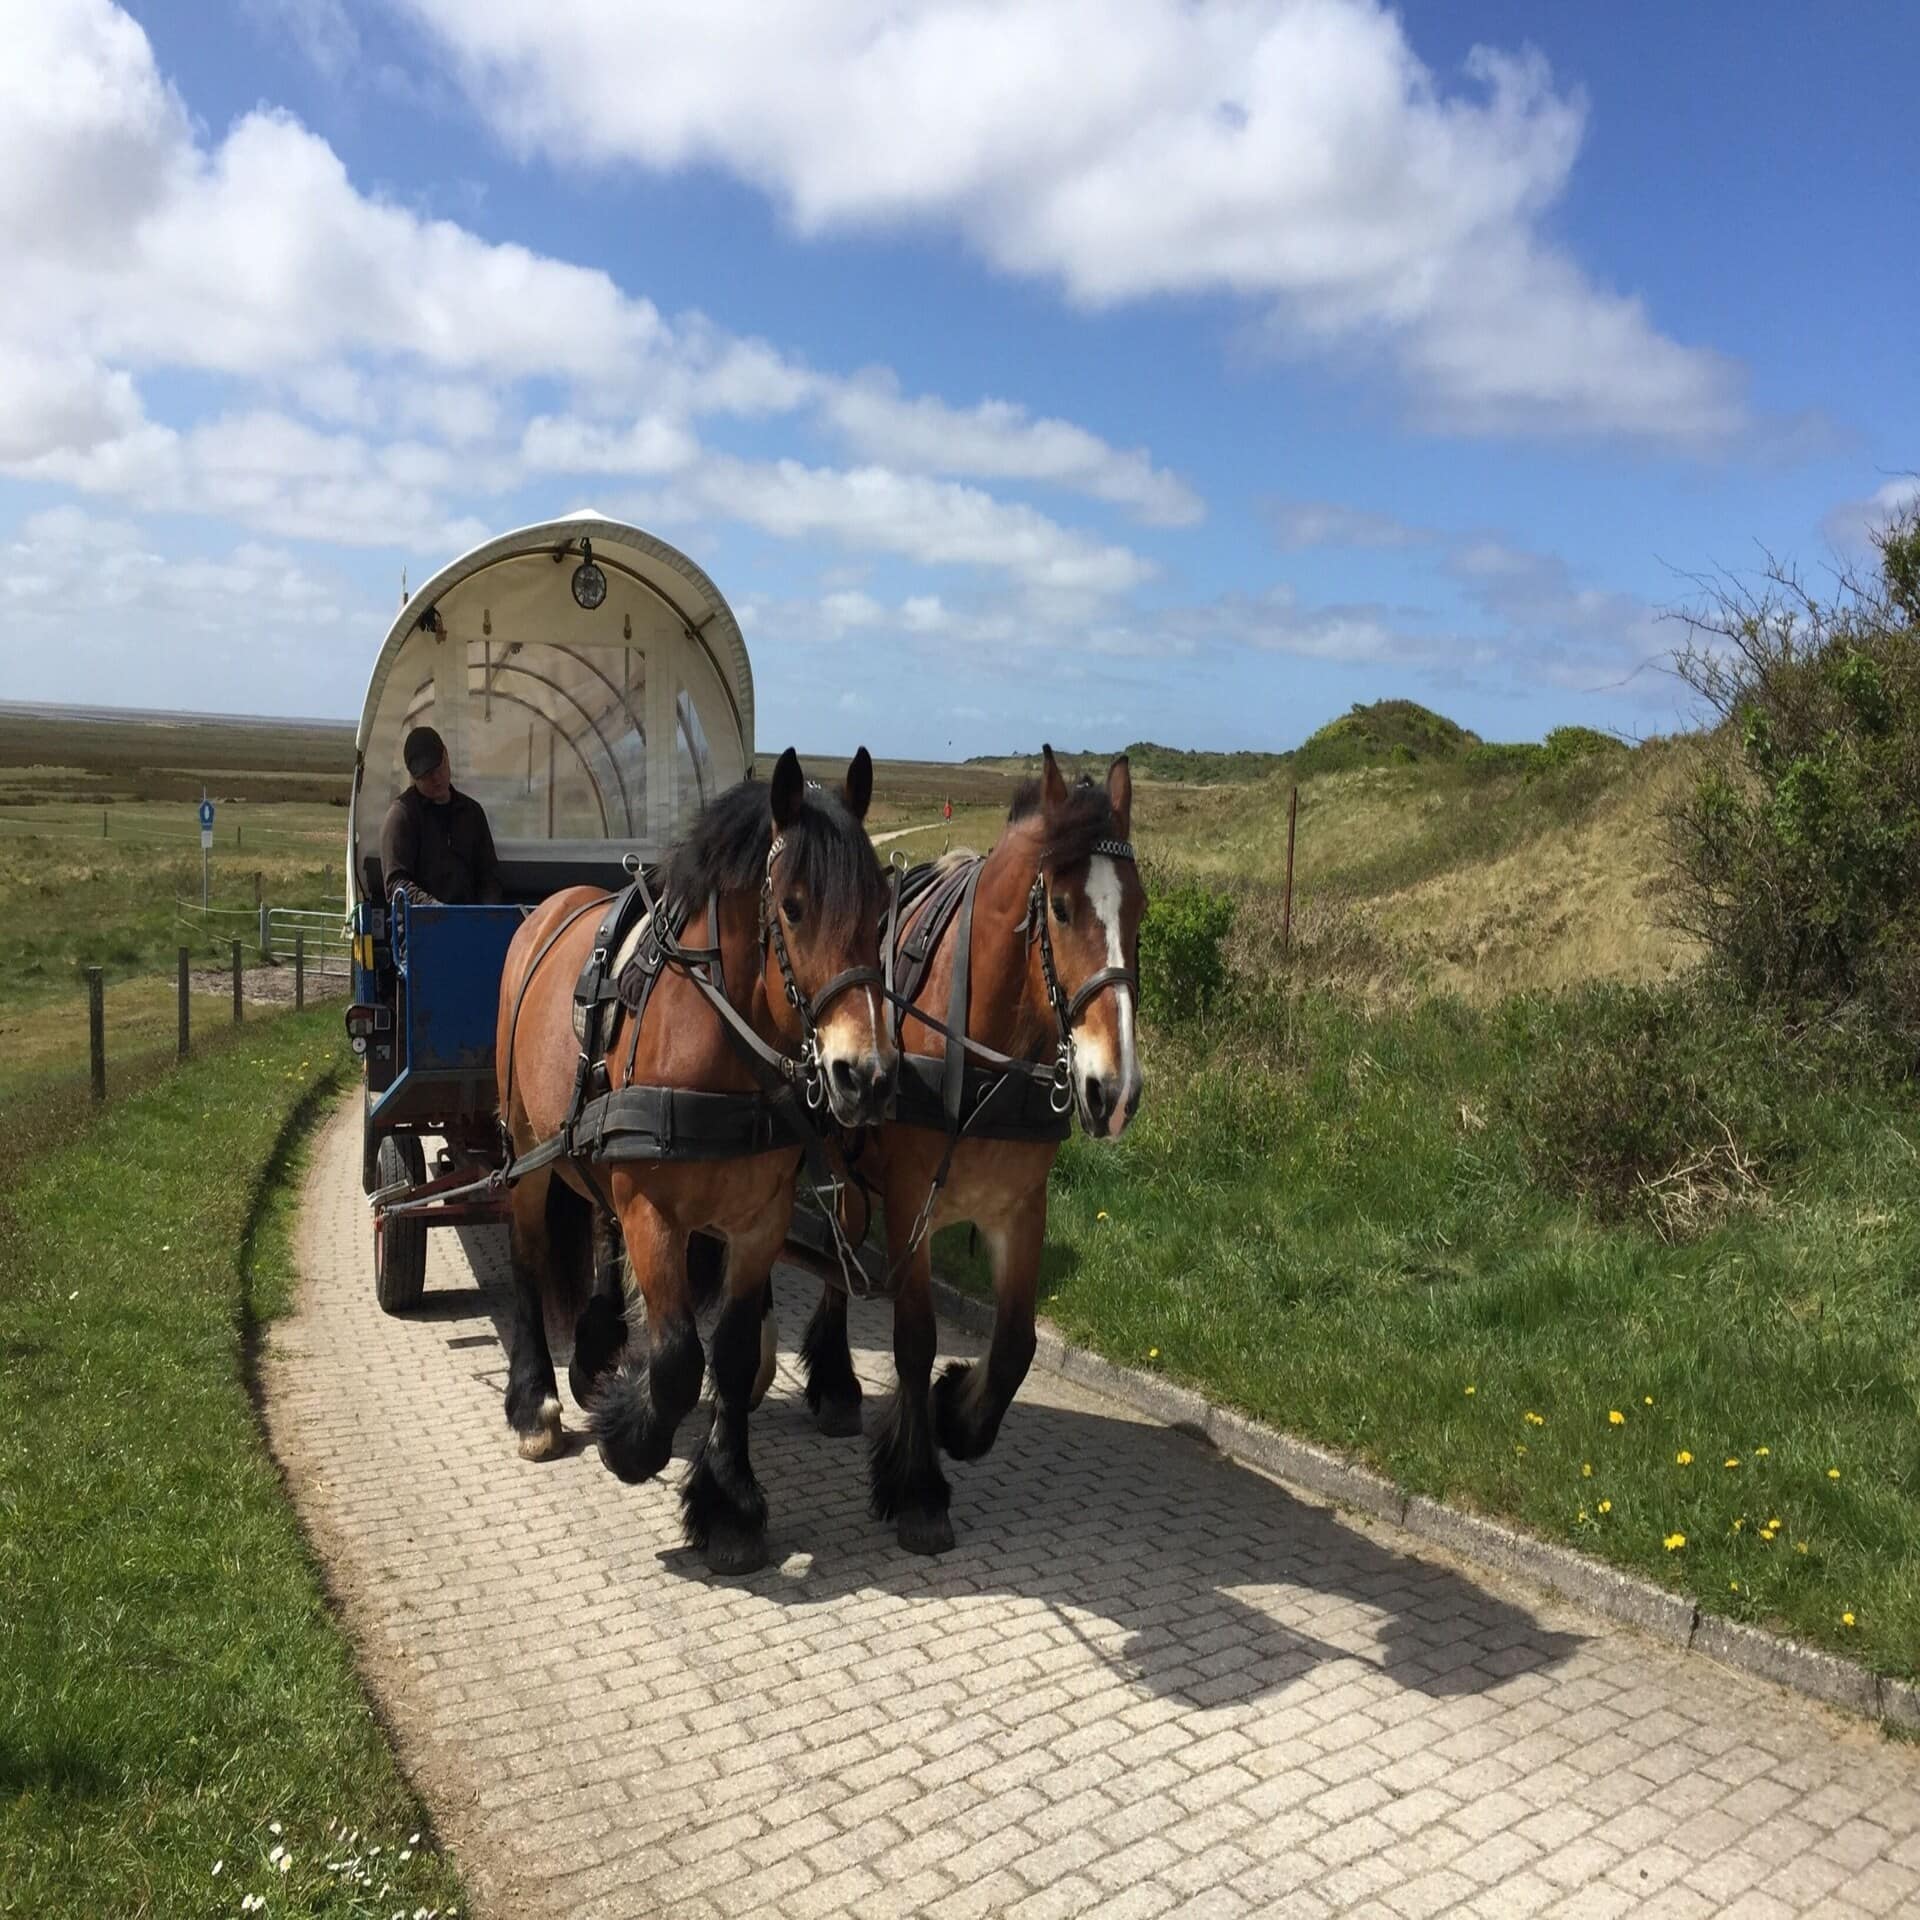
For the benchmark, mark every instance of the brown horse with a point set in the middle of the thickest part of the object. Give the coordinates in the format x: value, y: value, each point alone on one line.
x: 1054, y: 966
x: 791, y: 895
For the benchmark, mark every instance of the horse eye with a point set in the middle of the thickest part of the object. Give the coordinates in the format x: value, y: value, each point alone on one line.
x: 1061, y: 910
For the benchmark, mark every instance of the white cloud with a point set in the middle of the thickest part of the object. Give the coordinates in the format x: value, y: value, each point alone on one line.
x: 1852, y: 525
x: 650, y: 445
x: 91, y: 602
x: 999, y: 440
x: 934, y: 522
x: 1302, y: 524
x: 1295, y: 153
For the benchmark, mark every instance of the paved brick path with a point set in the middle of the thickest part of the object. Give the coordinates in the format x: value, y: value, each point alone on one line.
x: 1145, y: 1682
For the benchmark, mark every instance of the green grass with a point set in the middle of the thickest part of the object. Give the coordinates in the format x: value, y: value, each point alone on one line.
x: 171, y: 1683
x: 1329, y: 1220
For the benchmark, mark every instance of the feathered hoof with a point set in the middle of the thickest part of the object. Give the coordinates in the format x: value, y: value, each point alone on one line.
x: 733, y: 1549
x: 838, y: 1419
x: 542, y: 1441
x: 925, y: 1532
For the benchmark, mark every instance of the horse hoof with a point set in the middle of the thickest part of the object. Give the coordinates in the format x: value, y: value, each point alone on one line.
x: 838, y: 1419
x: 925, y: 1532
x: 733, y: 1550
x: 542, y: 1442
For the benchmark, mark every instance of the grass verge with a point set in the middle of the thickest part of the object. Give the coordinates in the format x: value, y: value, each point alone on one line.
x: 173, y: 1691
x: 1339, y: 1223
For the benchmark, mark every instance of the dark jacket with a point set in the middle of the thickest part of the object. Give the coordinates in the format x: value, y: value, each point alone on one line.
x: 439, y: 852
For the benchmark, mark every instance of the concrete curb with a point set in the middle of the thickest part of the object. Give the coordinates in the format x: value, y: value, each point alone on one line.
x: 1671, y: 1617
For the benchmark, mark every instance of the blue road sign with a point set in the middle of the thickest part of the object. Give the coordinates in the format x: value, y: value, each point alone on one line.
x: 206, y: 813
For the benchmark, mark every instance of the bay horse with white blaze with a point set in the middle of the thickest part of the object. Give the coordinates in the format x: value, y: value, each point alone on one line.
x: 1050, y: 949
x: 791, y: 892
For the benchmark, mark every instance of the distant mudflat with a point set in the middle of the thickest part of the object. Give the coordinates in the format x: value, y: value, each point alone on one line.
x: 165, y: 716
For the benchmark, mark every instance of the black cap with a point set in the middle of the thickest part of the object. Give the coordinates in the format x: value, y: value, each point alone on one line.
x: 423, y: 752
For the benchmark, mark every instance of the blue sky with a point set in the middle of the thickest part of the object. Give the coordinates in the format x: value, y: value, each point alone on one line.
x: 1096, y: 373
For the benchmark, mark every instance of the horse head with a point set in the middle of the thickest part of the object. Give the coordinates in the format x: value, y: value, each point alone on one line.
x: 821, y: 905
x: 1088, y: 902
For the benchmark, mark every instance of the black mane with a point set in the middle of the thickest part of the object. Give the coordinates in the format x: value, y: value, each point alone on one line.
x: 1070, y: 834
x: 830, y: 854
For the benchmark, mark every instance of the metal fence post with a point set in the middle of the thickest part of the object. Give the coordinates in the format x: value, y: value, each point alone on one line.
x: 185, y: 1031
x: 97, y: 1030
x: 1286, y: 912
x: 299, y: 970
x: 236, y: 983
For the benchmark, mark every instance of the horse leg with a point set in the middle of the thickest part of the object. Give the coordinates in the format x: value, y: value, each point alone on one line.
x: 533, y: 1395
x: 640, y: 1404
x: 769, y: 1347
x: 972, y: 1398
x: 721, y: 1503
x: 908, y: 1486
x: 600, y: 1334
x: 833, y: 1389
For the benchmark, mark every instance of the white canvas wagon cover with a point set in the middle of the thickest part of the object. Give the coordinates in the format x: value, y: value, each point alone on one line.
x: 585, y: 731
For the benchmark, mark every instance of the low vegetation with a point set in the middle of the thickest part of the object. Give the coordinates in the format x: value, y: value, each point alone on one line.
x: 178, y: 1713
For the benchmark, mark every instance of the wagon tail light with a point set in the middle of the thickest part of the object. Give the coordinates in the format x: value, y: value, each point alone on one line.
x: 364, y: 1022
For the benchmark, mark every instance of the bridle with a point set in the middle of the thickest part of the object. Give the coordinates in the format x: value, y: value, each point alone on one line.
x: 1067, y: 1012
x: 812, y: 1010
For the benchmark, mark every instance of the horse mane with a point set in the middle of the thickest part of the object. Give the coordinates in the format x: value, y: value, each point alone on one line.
x: 1067, y: 836
x: 831, y: 856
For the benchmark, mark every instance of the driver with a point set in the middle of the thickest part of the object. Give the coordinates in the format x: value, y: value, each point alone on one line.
x: 435, y: 845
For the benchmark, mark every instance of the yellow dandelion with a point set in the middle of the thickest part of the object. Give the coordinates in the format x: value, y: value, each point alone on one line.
x: 1732, y: 1460
x: 1520, y: 1450
x: 1534, y: 1419
x: 1833, y: 1473
x: 1586, y: 1469
x: 1766, y: 1534
x: 1102, y: 1214
x: 1153, y: 1353
x: 1774, y: 1523
x: 1763, y: 1453
x: 1740, y: 1523
x: 1683, y: 1458
x: 1606, y: 1506
x: 1675, y: 1541
x: 1847, y: 1620
x: 1799, y: 1546
x: 1471, y: 1391
x: 1581, y: 1515
x: 1648, y: 1399
x: 1733, y: 1586
x: 1615, y: 1418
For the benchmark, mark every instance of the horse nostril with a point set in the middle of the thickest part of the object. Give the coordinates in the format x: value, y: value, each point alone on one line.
x: 1133, y: 1103
x: 1097, y: 1098
x: 845, y: 1082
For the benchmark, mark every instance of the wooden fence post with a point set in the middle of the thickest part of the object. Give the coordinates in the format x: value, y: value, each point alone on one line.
x: 97, y: 1030
x: 299, y: 970
x: 1286, y: 912
x: 236, y: 983
x: 186, y: 1037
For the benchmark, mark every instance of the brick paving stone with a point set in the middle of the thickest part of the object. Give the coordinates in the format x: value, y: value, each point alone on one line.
x: 1145, y: 1682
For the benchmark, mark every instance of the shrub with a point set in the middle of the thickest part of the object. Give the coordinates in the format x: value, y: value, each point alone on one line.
x: 1564, y: 745
x: 1797, y: 852
x: 1183, y: 965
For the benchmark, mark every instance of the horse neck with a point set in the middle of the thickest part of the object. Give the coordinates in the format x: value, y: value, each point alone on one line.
x: 1007, y: 995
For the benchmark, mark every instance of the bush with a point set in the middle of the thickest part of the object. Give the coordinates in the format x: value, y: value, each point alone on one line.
x: 1183, y: 964
x: 1797, y: 852
x: 1564, y: 745
x: 1673, y: 1106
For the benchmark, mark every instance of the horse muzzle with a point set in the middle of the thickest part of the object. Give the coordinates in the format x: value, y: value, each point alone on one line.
x: 860, y: 1088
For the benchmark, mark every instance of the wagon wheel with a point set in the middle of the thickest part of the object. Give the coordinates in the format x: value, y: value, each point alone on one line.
x: 400, y: 1245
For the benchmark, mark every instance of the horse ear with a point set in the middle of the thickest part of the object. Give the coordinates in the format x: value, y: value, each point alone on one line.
x: 1120, y: 795
x: 858, y: 792
x: 1053, y: 783
x: 789, y: 788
